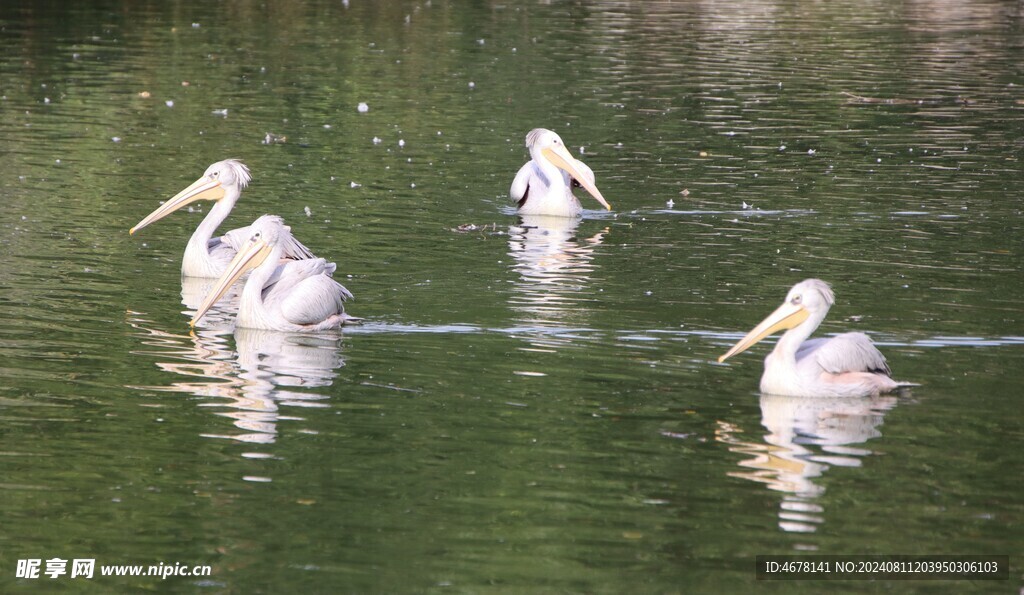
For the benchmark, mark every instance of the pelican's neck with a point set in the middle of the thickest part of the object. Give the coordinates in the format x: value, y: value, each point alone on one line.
x: 554, y: 197
x: 218, y: 213
x: 781, y: 369
x: 558, y: 180
x: 250, y: 306
x: 790, y: 341
x: 197, y: 261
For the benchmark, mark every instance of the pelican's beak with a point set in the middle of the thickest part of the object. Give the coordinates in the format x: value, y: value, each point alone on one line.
x: 202, y: 189
x: 560, y: 156
x: 785, y: 316
x: 249, y: 257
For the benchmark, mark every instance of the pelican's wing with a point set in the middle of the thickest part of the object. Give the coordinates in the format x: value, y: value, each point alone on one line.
x: 521, y: 184
x: 291, y: 272
x: 220, y: 253
x: 849, y: 352
x: 314, y: 300
x: 234, y: 238
x: 293, y: 249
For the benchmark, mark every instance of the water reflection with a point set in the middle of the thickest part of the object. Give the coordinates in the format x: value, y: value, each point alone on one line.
x: 252, y: 382
x: 805, y: 437
x: 555, y: 271
x: 221, y: 316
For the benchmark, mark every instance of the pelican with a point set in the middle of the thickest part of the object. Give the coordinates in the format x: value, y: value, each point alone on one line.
x: 847, y: 365
x: 544, y: 185
x: 205, y: 255
x: 293, y: 296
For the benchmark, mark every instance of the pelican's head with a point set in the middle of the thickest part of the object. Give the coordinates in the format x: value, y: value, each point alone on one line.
x: 547, y: 145
x: 221, y: 179
x: 808, y: 299
x: 264, y: 235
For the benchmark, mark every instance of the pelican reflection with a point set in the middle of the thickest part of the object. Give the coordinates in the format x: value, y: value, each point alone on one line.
x: 555, y: 269
x: 806, y: 436
x: 221, y: 316
x: 255, y: 383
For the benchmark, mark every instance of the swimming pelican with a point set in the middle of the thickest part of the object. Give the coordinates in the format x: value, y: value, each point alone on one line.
x: 293, y: 296
x: 544, y: 185
x: 205, y: 255
x: 847, y: 365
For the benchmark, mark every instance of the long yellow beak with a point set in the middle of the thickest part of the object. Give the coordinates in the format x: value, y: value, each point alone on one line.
x: 560, y: 156
x: 201, y: 189
x: 785, y: 316
x: 248, y: 258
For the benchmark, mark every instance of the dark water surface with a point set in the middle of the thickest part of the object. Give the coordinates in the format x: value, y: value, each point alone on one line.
x: 530, y: 406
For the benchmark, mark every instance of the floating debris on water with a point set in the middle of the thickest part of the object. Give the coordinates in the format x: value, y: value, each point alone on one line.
x: 116, y: 139
x: 309, y: 213
x: 220, y: 112
x: 354, y: 184
x: 401, y: 142
x: 491, y: 228
x: 684, y: 192
x: 362, y: 108
x: 270, y: 139
x: 376, y: 140
x: 670, y: 203
x: 144, y: 94
x: 169, y: 103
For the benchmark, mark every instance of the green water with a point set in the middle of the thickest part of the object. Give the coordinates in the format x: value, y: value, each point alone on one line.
x: 529, y: 406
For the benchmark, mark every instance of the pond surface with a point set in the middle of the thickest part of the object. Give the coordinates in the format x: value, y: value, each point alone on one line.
x: 529, y: 406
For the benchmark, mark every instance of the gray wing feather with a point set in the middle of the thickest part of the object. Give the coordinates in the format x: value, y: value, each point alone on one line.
x: 290, y: 273
x: 848, y: 352
x: 314, y: 300
x: 521, y: 183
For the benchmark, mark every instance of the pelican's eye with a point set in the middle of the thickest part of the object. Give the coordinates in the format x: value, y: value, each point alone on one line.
x: 257, y: 235
x: 796, y: 300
